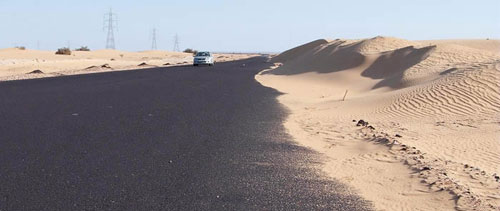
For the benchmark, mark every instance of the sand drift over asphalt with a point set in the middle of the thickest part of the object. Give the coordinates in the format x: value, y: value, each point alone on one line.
x: 432, y: 106
x: 176, y: 138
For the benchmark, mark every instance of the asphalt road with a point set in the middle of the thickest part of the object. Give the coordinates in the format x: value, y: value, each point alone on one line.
x: 178, y: 138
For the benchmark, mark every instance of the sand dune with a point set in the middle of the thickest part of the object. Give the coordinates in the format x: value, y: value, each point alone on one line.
x: 441, y: 98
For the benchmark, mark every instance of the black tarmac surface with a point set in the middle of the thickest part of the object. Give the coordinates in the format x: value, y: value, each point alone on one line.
x: 177, y: 138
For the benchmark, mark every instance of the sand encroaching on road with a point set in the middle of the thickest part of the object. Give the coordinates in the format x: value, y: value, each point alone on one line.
x: 16, y: 63
x: 432, y: 141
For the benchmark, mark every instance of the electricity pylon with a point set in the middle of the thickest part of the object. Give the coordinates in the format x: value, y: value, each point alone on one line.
x: 109, y: 23
x: 153, y: 44
x: 176, y: 43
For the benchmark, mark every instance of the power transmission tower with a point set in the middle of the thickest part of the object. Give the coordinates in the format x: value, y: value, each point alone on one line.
x: 109, y: 23
x: 153, y: 45
x: 176, y: 43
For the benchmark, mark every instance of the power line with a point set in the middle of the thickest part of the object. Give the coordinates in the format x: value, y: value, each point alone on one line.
x: 109, y: 23
x: 176, y: 43
x: 153, y: 44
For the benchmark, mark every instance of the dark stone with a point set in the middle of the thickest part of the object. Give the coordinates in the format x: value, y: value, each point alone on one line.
x: 399, y: 136
x: 105, y: 66
x: 371, y: 127
x: 384, y: 140
x: 166, y: 64
x: 362, y: 123
x: 426, y: 168
x: 142, y: 64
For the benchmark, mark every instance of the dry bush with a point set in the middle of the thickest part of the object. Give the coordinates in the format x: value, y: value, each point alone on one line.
x: 189, y: 50
x: 83, y: 48
x: 63, y: 51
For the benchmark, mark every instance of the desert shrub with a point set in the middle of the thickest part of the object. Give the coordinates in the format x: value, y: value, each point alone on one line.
x: 189, y: 50
x: 63, y: 51
x: 21, y: 47
x: 83, y: 48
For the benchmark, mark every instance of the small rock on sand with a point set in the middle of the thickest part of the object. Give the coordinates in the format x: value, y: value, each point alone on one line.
x: 383, y: 140
x: 426, y: 168
x: 35, y: 72
x: 105, y: 66
x: 362, y: 123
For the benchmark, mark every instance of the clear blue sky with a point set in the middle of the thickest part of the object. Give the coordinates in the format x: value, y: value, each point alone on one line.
x: 240, y: 25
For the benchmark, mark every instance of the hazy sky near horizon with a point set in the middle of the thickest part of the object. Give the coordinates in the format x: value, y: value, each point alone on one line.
x: 240, y: 25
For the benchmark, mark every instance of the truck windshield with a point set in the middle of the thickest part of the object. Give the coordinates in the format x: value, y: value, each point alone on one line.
x: 203, y: 54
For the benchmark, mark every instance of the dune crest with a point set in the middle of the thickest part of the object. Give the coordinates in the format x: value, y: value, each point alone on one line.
x: 433, y: 105
x: 382, y: 44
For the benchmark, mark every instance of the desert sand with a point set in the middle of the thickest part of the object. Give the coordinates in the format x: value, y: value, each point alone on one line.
x: 430, y: 135
x: 18, y: 64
